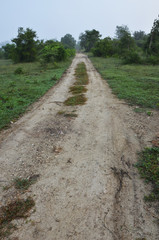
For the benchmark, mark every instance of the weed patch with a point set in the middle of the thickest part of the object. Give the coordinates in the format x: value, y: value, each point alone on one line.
x: 81, y: 74
x: 148, y: 167
x: 78, y: 89
x: 14, y: 210
x: 76, y: 100
x: 24, y: 184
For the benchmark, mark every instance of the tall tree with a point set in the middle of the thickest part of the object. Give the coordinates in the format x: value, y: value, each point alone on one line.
x: 8, y: 50
x: 25, y: 45
x: 121, y: 31
x: 103, y: 48
x: 68, y: 41
x: 125, y: 41
x: 140, y: 38
x: 89, y: 39
x: 152, y: 44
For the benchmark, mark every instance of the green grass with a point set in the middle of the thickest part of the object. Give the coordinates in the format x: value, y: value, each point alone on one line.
x: 137, y: 84
x: 18, y: 91
x: 81, y: 74
x: 78, y: 89
x: 76, y: 100
x: 148, y: 167
x: 13, y: 210
x: 23, y: 183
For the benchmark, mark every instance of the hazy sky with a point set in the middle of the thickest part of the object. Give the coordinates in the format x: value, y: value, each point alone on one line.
x: 55, y: 18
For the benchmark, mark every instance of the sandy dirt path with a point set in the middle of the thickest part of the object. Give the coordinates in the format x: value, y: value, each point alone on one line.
x: 88, y: 188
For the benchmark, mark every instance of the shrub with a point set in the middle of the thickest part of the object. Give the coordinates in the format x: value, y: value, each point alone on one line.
x: 131, y: 58
x: 154, y: 60
x: 70, y: 52
x: 19, y: 70
x: 53, y: 52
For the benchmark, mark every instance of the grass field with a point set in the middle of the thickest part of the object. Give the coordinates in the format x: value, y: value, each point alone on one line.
x: 137, y: 84
x: 18, y: 91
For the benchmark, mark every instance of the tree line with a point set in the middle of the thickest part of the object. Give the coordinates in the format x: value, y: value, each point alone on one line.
x: 138, y: 47
x: 27, y: 48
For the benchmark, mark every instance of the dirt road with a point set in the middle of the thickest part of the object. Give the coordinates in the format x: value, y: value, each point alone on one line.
x: 88, y: 188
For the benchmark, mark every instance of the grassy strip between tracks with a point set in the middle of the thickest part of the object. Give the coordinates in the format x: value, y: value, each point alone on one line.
x: 78, y: 88
x: 23, y: 84
x: 137, y: 84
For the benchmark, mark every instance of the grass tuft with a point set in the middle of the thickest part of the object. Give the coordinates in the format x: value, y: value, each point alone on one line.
x: 78, y: 89
x: 81, y: 74
x: 14, y: 210
x: 24, y: 184
x: 76, y: 100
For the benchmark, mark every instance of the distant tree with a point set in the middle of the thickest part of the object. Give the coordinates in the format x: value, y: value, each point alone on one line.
x: 140, y: 38
x: 25, y: 46
x: 68, y: 41
x: 78, y: 46
x: 103, y: 48
x: 8, y: 50
x: 121, y: 31
x: 125, y: 41
x: 89, y: 39
x: 139, y: 35
x: 53, y: 51
x: 1, y: 53
x: 152, y: 44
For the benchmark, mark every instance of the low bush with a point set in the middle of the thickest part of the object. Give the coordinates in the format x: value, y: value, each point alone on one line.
x: 132, y: 58
x: 19, y: 70
x: 154, y: 60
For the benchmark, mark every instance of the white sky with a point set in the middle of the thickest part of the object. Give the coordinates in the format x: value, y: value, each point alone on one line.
x: 55, y: 18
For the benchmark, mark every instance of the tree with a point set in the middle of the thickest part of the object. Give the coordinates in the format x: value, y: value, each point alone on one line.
x: 140, y: 38
x: 152, y: 44
x: 103, y: 48
x: 25, y: 46
x: 53, y: 51
x: 68, y: 41
x: 125, y: 41
x: 121, y: 31
x: 1, y: 53
x: 89, y: 39
x: 8, y: 50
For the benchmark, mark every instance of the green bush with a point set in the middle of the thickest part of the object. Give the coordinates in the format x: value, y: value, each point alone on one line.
x: 70, y: 52
x: 19, y: 70
x: 53, y: 52
x: 132, y: 58
x: 154, y: 60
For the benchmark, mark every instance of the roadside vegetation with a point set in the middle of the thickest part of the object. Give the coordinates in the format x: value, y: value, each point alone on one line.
x: 148, y: 166
x: 28, y: 68
x: 24, y: 83
x: 137, y: 84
